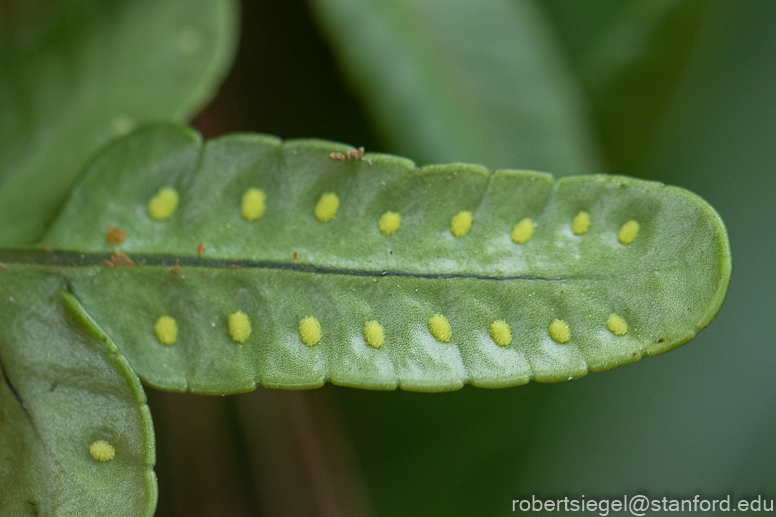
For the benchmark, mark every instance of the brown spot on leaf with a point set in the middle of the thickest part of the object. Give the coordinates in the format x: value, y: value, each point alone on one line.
x: 200, y: 249
x: 3, y: 266
x: 177, y: 268
x: 115, y: 236
x: 121, y: 259
x: 108, y: 263
x: 234, y: 266
x: 295, y: 255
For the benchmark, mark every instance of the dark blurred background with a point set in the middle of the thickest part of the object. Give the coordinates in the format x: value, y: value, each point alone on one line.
x: 691, y: 102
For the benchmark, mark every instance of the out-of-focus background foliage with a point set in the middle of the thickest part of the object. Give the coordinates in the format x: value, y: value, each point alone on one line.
x: 76, y: 73
x: 679, y: 91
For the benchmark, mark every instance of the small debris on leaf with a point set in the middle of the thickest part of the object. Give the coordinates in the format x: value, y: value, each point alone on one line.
x: 121, y: 259
x: 115, y: 236
x: 357, y: 154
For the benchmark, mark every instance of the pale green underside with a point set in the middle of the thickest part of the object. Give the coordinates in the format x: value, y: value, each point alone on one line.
x: 667, y: 285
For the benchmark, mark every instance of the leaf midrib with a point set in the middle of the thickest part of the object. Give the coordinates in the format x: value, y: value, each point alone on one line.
x: 75, y: 259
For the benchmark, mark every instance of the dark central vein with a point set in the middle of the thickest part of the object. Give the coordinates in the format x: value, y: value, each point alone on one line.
x: 75, y: 259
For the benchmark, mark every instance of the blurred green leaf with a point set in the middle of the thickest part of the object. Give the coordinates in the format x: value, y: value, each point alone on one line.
x: 63, y: 388
x: 80, y: 72
x: 667, y: 284
x: 630, y: 57
x: 479, y: 82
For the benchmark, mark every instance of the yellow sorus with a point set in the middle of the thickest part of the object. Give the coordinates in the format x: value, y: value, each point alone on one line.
x: 523, y: 231
x: 163, y: 204
x: 581, y: 223
x: 461, y: 223
x: 102, y: 451
x: 501, y: 333
x: 253, y: 204
x: 559, y: 331
x: 327, y: 207
x: 440, y: 328
x: 374, y: 334
x: 628, y: 232
x: 390, y: 222
x: 166, y: 330
x: 310, y: 331
x: 239, y: 327
x: 616, y: 325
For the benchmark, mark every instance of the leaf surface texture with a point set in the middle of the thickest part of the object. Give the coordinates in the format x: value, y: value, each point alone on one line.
x: 288, y: 266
